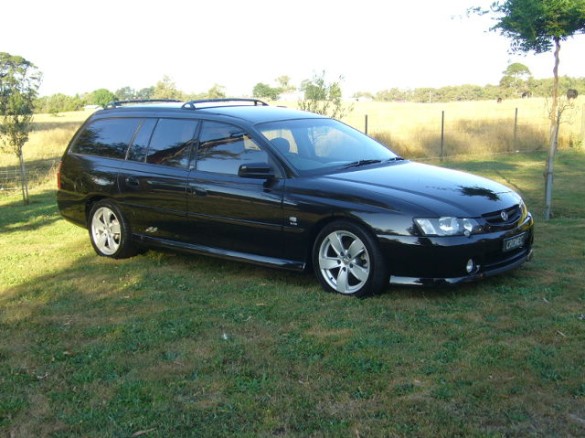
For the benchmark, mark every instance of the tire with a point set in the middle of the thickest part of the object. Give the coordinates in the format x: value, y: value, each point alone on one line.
x: 347, y: 260
x: 109, y: 231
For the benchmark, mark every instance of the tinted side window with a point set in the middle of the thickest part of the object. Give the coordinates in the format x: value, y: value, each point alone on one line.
x: 224, y: 148
x: 106, y: 138
x: 170, y: 144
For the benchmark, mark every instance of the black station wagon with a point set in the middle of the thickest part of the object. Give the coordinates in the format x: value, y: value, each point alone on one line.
x: 243, y: 180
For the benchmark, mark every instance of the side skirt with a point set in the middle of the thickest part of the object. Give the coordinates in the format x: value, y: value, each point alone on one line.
x: 272, y: 262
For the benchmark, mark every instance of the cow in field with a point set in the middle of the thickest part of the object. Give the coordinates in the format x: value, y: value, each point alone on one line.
x: 572, y: 93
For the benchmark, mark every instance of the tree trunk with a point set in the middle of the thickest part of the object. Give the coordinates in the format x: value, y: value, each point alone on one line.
x: 554, y: 136
x: 23, y: 179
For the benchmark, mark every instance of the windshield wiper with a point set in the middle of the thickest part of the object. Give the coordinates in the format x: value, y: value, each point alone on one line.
x: 371, y: 161
x: 361, y: 163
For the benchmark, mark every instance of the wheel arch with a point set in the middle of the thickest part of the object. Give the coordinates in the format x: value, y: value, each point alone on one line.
x: 89, y: 203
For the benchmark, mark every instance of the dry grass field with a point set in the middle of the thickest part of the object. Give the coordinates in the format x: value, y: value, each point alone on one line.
x: 46, y: 144
x: 471, y: 130
x: 52, y: 133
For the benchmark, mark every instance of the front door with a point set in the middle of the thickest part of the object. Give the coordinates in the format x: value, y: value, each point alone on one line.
x: 229, y: 212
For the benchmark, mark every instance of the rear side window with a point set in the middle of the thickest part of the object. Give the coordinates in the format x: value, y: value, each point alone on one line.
x: 106, y: 138
x: 171, y: 141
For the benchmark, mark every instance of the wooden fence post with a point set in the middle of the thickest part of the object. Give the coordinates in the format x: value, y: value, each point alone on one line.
x: 442, y: 134
x: 515, y: 127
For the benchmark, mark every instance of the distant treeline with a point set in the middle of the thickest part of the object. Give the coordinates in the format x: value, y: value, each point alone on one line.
x: 530, y: 88
x: 58, y: 103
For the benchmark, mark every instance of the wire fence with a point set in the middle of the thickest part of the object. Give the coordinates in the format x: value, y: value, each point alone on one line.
x: 36, y: 174
x: 428, y: 131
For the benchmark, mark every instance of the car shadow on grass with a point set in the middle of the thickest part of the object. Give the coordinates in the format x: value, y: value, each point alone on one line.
x: 39, y: 212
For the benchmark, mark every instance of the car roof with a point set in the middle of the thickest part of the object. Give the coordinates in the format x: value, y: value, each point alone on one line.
x: 259, y: 114
x: 233, y: 108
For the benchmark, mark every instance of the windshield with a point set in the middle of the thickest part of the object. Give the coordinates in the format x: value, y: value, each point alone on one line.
x: 316, y: 145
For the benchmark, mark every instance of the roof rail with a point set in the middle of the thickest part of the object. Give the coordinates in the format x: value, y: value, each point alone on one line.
x: 116, y: 103
x: 230, y: 101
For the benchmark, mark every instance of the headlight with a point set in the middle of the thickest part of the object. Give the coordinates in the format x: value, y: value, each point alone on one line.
x: 447, y: 226
x: 523, y: 209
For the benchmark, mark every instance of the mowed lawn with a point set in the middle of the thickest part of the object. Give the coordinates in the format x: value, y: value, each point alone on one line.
x: 165, y: 345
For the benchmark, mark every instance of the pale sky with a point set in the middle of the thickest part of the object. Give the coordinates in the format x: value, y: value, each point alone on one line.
x: 81, y: 46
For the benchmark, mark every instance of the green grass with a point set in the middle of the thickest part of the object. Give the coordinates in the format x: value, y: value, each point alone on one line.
x: 173, y: 345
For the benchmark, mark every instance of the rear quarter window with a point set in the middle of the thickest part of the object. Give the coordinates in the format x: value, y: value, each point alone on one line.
x: 106, y: 138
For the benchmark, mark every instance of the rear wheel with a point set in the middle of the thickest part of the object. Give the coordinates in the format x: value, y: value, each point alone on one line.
x: 109, y: 231
x: 347, y: 260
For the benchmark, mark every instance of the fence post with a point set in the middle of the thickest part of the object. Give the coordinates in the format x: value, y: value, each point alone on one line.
x: 366, y: 123
x: 515, y: 127
x: 442, y: 133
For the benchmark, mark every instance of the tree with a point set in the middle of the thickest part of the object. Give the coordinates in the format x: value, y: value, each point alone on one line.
x: 263, y: 90
x: 392, y: 95
x: 518, y: 71
x: 19, y: 83
x: 363, y: 95
x: 57, y: 103
x: 101, y: 97
x: 322, y: 97
x: 284, y: 84
x: 540, y: 26
x: 145, y: 93
x: 216, y: 92
x: 126, y: 93
x: 515, y: 79
x: 166, y: 89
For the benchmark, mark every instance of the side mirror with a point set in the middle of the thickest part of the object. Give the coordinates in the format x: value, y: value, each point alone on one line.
x: 256, y: 170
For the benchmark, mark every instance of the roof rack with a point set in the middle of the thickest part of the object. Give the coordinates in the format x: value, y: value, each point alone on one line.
x: 117, y: 103
x: 206, y: 103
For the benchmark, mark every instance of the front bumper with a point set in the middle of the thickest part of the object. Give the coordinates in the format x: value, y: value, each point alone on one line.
x: 475, y: 276
x: 432, y: 261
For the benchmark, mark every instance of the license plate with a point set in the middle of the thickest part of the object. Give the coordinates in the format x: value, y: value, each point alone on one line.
x: 512, y: 243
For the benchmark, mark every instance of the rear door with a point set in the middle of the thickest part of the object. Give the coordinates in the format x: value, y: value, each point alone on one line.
x: 229, y: 212
x: 153, y: 185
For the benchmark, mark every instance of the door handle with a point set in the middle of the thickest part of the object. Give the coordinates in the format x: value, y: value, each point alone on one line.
x: 131, y: 181
x: 197, y: 191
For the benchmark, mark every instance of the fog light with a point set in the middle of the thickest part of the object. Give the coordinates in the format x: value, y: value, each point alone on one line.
x: 470, y: 266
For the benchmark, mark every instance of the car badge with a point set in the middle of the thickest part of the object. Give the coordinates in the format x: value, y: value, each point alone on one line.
x: 504, y: 215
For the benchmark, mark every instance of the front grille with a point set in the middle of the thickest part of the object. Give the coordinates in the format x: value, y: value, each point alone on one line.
x: 504, y: 218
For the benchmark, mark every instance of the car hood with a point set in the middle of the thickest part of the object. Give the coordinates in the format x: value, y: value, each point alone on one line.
x: 429, y: 189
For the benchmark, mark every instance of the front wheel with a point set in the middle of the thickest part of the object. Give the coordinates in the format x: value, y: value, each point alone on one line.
x: 347, y: 260
x: 109, y: 232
